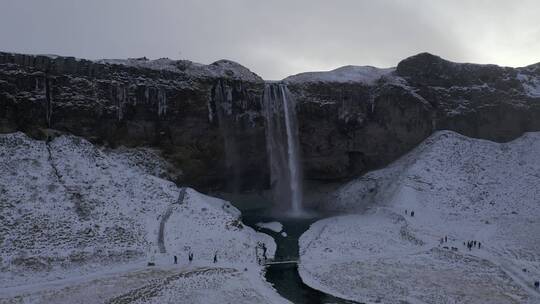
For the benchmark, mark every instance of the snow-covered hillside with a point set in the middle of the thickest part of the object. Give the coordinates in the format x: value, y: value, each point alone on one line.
x: 70, y: 209
x: 460, y: 188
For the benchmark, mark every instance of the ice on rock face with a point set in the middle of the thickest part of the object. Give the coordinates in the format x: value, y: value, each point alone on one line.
x: 162, y: 102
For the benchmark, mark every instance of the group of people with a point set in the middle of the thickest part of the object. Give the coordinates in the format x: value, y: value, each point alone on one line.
x: 412, y: 213
x: 190, y: 258
x: 445, y: 240
x: 471, y: 244
x: 260, y: 259
x: 477, y: 244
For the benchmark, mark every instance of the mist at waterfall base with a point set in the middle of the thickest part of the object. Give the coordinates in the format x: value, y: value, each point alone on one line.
x: 283, y: 150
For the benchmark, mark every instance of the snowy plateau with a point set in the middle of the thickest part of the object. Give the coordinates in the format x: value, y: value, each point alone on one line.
x: 460, y: 190
x: 78, y: 224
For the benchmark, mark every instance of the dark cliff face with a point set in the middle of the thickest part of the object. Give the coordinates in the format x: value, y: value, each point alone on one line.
x: 351, y: 125
x: 208, y: 120
x: 349, y: 128
x: 182, y: 113
x: 482, y: 101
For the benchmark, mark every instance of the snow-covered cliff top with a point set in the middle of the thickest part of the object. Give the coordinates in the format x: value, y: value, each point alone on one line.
x: 367, y: 75
x: 219, y: 69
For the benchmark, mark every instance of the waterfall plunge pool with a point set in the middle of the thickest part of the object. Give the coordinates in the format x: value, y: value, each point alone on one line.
x: 284, y: 277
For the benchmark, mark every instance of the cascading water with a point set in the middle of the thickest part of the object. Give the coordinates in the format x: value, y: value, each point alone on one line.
x: 282, y: 145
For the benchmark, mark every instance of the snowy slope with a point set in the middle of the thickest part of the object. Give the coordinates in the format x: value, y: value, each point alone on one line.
x: 366, y: 75
x: 70, y: 209
x: 462, y: 188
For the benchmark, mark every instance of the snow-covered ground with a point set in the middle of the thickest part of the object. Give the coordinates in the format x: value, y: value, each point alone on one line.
x: 460, y: 188
x: 72, y: 214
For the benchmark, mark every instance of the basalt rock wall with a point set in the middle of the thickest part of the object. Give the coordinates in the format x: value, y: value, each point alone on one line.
x: 208, y: 119
x: 354, y: 123
x: 179, y: 107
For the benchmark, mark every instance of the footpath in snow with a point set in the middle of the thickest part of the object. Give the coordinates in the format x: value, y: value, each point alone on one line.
x: 77, y: 220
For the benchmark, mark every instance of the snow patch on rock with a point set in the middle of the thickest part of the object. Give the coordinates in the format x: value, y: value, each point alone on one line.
x: 531, y: 84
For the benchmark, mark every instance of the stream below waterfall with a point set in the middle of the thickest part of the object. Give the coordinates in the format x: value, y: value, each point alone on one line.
x: 285, y: 277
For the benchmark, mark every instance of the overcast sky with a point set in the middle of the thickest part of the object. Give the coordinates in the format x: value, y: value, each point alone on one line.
x: 276, y: 38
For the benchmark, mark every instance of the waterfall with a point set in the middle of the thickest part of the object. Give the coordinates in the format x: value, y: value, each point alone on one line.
x: 283, y: 148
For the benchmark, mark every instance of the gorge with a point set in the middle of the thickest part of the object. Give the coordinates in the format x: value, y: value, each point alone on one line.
x: 101, y: 157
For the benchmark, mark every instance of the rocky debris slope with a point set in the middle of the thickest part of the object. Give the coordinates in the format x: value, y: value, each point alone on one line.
x: 208, y: 119
x: 460, y: 188
x: 69, y: 208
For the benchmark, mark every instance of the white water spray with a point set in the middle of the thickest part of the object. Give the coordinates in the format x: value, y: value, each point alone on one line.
x: 283, y: 151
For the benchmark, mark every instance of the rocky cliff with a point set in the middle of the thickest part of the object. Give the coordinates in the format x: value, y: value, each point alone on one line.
x: 207, y: 119
x: 354, y: 119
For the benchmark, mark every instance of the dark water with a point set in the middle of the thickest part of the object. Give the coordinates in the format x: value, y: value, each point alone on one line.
x: 285, y: 277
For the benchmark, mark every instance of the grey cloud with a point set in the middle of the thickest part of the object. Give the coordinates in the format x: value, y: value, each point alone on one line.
x: 276, y: 38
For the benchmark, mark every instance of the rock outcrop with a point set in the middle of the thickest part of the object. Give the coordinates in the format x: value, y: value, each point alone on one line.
x: 208, y: 121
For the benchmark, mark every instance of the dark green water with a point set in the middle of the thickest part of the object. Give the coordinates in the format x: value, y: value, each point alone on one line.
x: 285, y: 277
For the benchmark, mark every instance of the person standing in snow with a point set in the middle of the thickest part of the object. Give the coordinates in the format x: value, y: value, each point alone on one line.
x: 412, y: 213
x: 175, y: 259
x: 445, y: 239
x: 215, y: 257
x: 264, y: 251
x: 190, y: 257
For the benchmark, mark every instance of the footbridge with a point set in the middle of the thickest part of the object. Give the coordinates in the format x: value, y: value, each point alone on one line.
x: 279, y: 262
